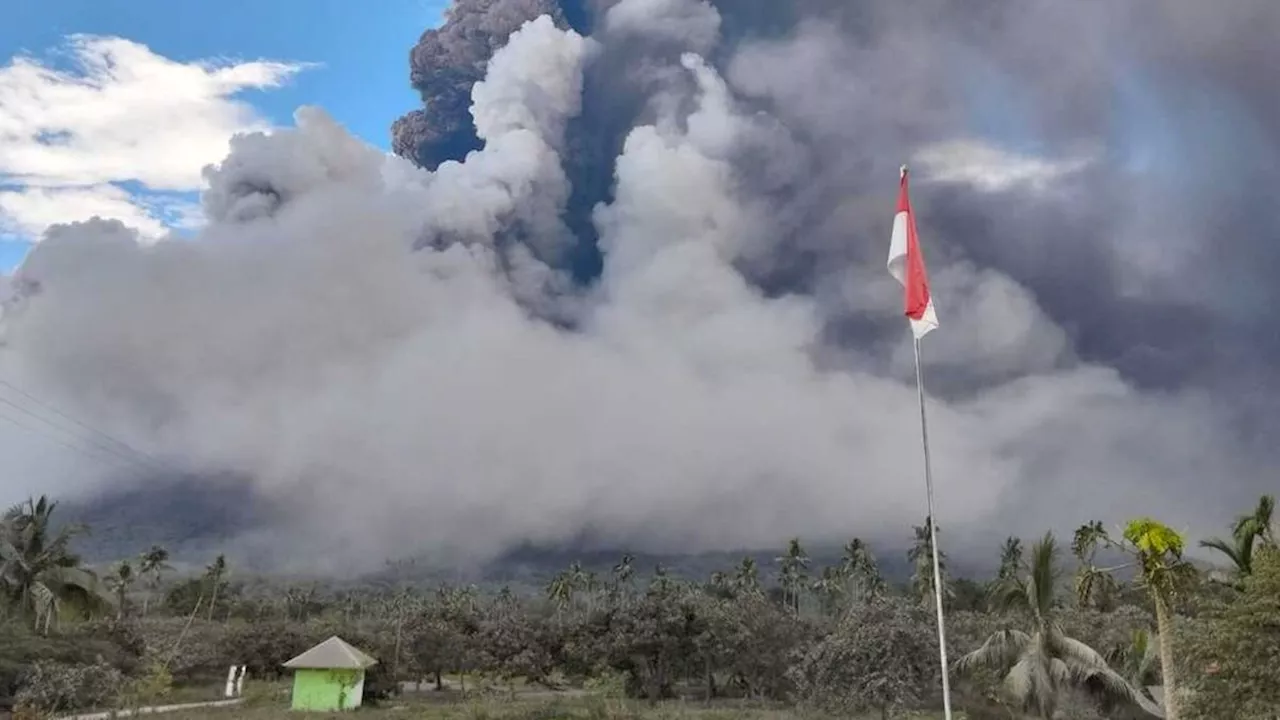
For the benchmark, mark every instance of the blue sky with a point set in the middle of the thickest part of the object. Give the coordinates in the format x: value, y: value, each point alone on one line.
x: 361, y: 48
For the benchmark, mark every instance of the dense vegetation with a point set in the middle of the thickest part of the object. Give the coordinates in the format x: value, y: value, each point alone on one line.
x: 1048, y: 636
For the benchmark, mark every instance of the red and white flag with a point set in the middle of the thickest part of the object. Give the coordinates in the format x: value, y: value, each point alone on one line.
x: 906, y: 265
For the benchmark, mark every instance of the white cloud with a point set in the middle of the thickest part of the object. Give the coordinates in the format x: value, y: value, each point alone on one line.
x: 119, y: 113
x: 991, y: 168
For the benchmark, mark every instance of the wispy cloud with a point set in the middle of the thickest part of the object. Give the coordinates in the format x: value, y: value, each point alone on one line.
x: 116, y: 130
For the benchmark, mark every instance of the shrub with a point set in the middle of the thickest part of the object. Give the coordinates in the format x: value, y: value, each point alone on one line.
x: 51, y: 687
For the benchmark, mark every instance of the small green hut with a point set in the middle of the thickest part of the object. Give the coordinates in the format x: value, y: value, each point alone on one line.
x: 329, y: 676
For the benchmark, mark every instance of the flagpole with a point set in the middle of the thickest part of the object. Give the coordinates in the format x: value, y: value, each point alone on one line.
x: 933, y: 538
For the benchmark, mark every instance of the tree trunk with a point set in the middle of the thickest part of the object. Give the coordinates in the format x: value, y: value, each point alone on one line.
x: 711, y: 682
x: 213, y: 598
x: 1164, y: 622
x: 395, y: 661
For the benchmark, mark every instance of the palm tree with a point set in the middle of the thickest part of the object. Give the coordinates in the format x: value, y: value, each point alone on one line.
x: 746, y: 577
x: 1010, y: 558
x: 1094, y: 586
x: 122, y: 578
x: 1247, y: 533
x: 859, y: 568
x: 921, y: 558
x: 1258, y: 523
x: 214, y: 573
x: 791, y: 573
x: 1042, y: 662
x: 38, y: 572
x: 831, y: 588
x: 1139, y: 661
x: 560, y: 591
x: 152, y: 564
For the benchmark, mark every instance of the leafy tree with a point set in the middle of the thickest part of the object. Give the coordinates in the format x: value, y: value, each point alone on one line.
x: 652, y: 639
x: 1041, y: 663
x: 39, y: 574
x: 881, y: 657
x: 263, y: 647
x: 1230, y: 659
x: 510, y: 644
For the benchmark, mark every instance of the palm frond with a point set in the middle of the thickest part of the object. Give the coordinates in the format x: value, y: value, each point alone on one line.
x: 1044, y: 573
x: 1000, y: 650
x: 1007, y: 594
x: 1108, y: 683
x: 78, y: 579
x: 1074, y: 651
x: 1224, y: 547
x: 1030, y: 683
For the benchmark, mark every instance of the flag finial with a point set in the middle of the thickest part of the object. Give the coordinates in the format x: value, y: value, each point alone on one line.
x: 902, y: 171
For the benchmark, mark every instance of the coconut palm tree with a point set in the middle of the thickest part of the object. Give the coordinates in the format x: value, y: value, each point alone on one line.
x: 1258, y: 523
x: 831, y: 588
x: 122, y: 578
x: 1248, y: 532
x: 1041, y: 662
x: 1010, y: 558
x: 859, y: 568
x: 214, y: 573
x: 152, y: 565
x: 38, y: 572
x: 746, y: 577
x: 625, y: 569
x: 792, y: 570
x: 921, y: 558
x: 560, y: 591
x: 1094, y: 587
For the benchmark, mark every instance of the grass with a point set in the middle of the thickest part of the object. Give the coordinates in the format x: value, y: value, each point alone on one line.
x: 567, y: 708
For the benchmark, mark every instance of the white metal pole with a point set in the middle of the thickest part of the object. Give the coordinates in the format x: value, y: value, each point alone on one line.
x: 933, y: 540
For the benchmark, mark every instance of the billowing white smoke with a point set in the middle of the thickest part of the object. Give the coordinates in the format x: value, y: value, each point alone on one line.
x: 367, y: 341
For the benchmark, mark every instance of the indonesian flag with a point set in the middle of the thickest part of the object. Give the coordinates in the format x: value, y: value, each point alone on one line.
x: 906, y: 265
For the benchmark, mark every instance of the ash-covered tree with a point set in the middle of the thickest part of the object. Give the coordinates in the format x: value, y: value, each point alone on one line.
x: 793, y: 571
x: 921, y: 558
x: 1041, y: 664
x: 511, y: 643
x: 152, y: 565
x: 1231, y: 658
x: 652, y: 640
x: 860, y: 570
x: 39, y: 575
x: 882, y: 657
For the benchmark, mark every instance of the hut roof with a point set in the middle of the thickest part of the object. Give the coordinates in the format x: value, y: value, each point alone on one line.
x: 332, y: 654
